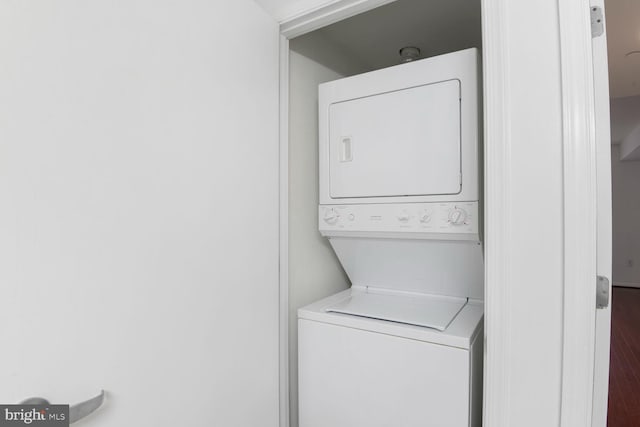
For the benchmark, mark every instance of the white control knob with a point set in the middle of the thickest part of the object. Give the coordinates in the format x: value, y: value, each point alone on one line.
x: 425, y: 216
x: 330, y: 216
x: 457, y: 216
x: 404, y: 217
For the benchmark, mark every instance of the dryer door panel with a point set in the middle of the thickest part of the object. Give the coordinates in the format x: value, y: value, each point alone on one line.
x: 401, y: 143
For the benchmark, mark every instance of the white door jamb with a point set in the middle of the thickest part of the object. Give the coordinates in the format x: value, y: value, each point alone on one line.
x: 579, y: 150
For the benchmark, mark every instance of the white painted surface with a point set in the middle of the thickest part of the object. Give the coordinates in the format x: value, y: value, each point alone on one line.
x: 293, y: 12
x: 318, y: 49
x: 580, y: 213
x: 328, y: 14
x: 603, y: 222
x: 284, y: 233
x: 523, y: 214
x: 625, y: 178
x: 283, y: 9
x: 314, y: 270
x: 135, y: 145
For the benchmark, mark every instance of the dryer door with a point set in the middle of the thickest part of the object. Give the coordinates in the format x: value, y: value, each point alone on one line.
x: 400, y: 143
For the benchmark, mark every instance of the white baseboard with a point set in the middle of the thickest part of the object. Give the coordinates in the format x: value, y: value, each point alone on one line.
x: 626, y: 284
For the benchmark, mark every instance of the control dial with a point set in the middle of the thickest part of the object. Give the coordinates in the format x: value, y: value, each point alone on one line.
x: 425, y: 216
x: 330, y: 216
x: 458, y: 216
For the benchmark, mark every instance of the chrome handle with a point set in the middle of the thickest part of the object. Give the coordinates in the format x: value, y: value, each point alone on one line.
x: 77, y: 411
x: 35, y: 401
x: 83, y: 409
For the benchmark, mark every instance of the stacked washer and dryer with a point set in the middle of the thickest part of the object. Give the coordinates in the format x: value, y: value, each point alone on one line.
x: 400, y: 204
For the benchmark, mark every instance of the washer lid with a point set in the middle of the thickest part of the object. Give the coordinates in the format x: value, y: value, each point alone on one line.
x: 429, y: 311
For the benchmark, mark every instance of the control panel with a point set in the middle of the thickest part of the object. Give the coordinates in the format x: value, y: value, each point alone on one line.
x: 439, y: 219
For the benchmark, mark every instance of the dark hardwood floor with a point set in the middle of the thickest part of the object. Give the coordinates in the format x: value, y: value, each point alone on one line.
x: 624, y: 376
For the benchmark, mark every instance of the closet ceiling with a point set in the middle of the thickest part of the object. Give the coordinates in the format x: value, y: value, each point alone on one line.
x: 435, y: 26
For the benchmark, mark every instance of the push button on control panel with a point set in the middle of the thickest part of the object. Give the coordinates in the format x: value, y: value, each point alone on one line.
x: 425, y: 216
x: 404, y: 217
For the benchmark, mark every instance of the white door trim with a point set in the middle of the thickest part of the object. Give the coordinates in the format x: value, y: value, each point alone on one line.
x: 327, y: 14
x: 497, y: 214
x: 579, y: 151
x: 284, y: 232
x: 603, y: 220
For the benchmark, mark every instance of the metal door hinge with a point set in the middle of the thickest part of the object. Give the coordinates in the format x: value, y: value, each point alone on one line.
x: 602, y: 292
x: 597, y: 21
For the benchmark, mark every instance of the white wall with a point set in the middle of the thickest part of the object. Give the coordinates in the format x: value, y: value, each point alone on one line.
x: 626, y: 212
x: 314, y: 270
x: 287, y: 10
x: 282, y: 9
x: 139, y: 209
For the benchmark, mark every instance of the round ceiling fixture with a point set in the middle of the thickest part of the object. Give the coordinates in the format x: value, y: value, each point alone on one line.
x: 409, y: 53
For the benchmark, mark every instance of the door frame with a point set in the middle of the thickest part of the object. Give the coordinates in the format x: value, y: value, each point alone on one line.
x: 283, y: 240
x: 579, y: 213
x: 603, y: 220
x: 579, y: 165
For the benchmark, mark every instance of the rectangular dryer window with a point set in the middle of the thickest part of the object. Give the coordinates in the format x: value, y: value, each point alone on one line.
x: 409, y: 143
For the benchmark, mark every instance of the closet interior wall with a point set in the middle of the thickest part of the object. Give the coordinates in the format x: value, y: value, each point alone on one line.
x: 314, y: 270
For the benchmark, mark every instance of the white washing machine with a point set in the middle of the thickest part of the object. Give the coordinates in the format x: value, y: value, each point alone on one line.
x: 358, y: 372
x: 399, y: 203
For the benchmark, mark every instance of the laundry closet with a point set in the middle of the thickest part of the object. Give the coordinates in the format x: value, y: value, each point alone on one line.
x: 361, y: 44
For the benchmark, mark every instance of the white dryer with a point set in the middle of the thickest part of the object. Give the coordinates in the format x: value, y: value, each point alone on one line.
x: 399, y: 203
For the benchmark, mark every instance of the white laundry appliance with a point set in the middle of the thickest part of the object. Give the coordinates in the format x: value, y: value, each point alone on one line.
x: 399, y: 202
